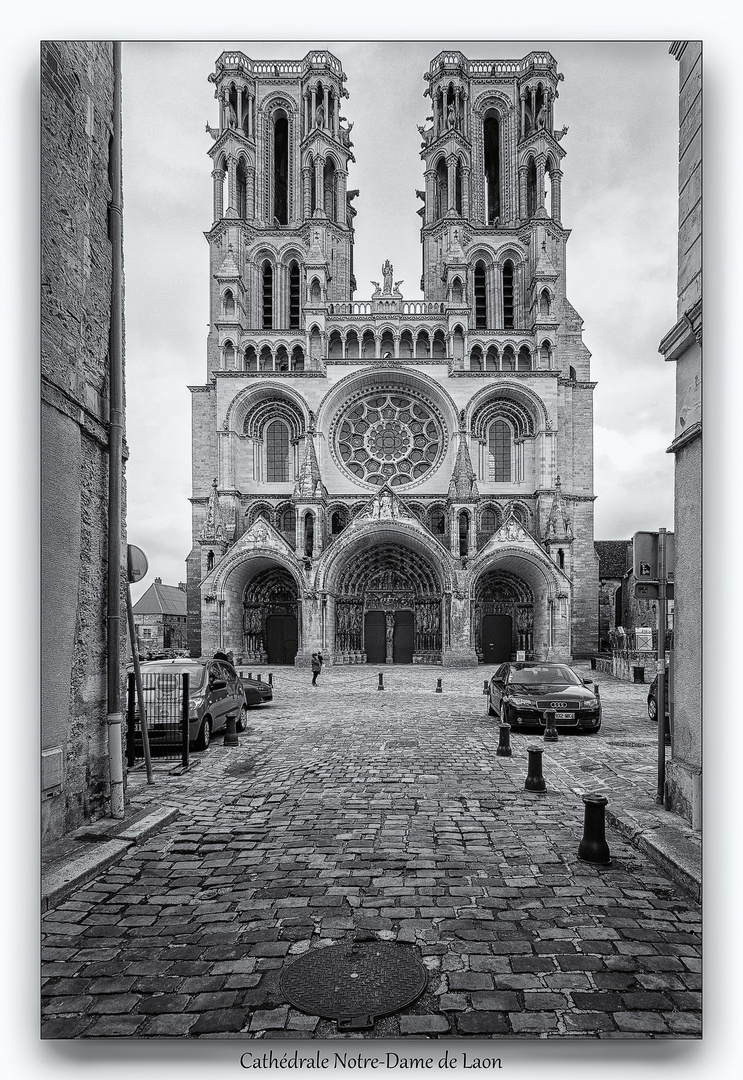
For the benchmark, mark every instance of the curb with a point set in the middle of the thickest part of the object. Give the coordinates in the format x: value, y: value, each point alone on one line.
x: 667, y: 846
x: 70, y: 873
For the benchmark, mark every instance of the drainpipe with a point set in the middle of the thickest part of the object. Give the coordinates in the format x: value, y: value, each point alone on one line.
x: 115, y: 453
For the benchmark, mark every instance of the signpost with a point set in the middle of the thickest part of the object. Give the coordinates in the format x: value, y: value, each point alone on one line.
x: 652, y: 556
x: 136, y: 568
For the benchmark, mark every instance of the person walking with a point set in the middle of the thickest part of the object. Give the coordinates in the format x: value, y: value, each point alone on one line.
x: 317, y: 662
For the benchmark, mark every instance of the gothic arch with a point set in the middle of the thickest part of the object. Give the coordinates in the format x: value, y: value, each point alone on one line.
x: 256, y: 401
x: 528, y: 410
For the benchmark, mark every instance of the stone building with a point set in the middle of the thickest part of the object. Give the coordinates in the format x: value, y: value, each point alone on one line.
x: 683, y: 345
x: 615, y: 562
x: 391, y: 480
x: 160, y: 618
x: 78, y: 294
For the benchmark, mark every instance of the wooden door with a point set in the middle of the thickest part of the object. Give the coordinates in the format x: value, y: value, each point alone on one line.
x: 403, y: 638
x: 497, y: 632
x: 281, y: 639
x: 374, y: 637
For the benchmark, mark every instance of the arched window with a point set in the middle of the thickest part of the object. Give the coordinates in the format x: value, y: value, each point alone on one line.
x: 335, y: 346
x: 442, y: 189
x: 456, y: 291
x: 329, y: 188
x: 352, y: 345
x: 281, y: 362
x: 545, y: 354
x: 509, y: 359
x: 209, y: 561
x: 464, y: 531
x: 309, y: 534
x: 491, y: 142
x: 338, y: 521
x: 251, y: 359
x: 531, y: 188
x: 439, y: 345
x: 508, y: 298
x: 294, y: 296
x: 387, y: 345
x: 406, y: 345
x: 281, y: 169
x: 266, y: 359
x: 267, y: 295
x: 229, y: 354
x: 481, y: 303
x: 548, y: 190
x: 422, y: 345
x: 458, y: 343
x: 288, y: 524
x: 544, y: 303
x: 367, y: 345
x: 229, y: 304
x: 458, y: 187
x: 277, y: 452
x: 524, y: 361
x: 491, y: 359
x: 561, y: 558
x: 438, y: 522
x: 297, y: 358
x: 488, y: 521
x: 500, y: 439
x: 476, y: 359
x: 571, y: 374
x: 242, y: 189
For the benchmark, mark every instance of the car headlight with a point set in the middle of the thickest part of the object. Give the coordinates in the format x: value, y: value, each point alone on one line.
x: 194, y: 705
x: 590, y: 703
x: 521, y: 702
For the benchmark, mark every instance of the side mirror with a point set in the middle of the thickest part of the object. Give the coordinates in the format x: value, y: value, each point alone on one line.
x: 587, y: 682
x: 217, y: 684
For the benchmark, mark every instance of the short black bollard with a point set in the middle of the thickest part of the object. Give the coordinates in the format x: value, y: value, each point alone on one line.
x: 230, y: 735
x: 270, y: 678
x: 485, y: 686
x: 593, y: 847
x: 504, y: 741
x: 438, y: 686
x: 260, y: 677
x: 534, y: 778
x: 550, y: 732
x: 596, y: 689
x: 381, y: 681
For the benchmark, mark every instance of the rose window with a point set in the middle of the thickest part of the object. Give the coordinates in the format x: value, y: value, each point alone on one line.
x: 389, y: 437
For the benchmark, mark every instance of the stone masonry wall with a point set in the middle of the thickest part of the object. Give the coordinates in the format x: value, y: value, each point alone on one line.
x: 76, y: 268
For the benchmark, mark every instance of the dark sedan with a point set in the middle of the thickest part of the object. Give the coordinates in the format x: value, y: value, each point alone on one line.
x: 257, y: 692
x: 653, y: 698
x: 522, y: 694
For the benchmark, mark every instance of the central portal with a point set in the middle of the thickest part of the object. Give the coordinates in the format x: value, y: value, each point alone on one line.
x: 388, y: 608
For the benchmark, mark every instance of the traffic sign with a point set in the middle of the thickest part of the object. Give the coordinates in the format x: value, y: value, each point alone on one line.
x: 136, y: 563
x: 645, y: 556
x: 651, y: 590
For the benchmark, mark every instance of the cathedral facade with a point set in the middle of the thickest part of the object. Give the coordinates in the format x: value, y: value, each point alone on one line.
x: 391, y: 480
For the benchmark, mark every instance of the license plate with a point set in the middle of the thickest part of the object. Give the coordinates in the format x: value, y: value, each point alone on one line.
x: 564, y: 716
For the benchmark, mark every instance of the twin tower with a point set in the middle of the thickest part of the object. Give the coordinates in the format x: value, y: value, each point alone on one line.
x: 387, y: 479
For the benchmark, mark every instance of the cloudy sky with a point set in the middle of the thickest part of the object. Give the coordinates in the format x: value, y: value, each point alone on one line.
x: 620, y: 102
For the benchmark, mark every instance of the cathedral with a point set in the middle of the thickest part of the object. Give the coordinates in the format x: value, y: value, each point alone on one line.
x: 391, y: 480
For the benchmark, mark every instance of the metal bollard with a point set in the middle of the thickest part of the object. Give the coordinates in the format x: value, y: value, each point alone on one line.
x: 596, y: 689
x: 504, y: 741
x: 230, y: 735
x: 381, y: 681
x: 593, y: 847
x: 550, y: 732
x: 534, y: 777
x: 260, y: 677
x: 270, y: 678
x: 438, y: 686
x: 485, y: 686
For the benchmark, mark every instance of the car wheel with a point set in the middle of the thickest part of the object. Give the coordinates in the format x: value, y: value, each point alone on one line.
x: 652, y: 709
x: 242, y: 718
x: 205, y: 735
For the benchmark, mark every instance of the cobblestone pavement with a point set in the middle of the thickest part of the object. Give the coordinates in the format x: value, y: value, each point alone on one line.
x: 346, y: 812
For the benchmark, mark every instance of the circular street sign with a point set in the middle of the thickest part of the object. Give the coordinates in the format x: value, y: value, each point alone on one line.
x: 136, y: 563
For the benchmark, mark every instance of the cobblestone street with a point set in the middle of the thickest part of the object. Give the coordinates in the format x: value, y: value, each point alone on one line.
x: 349, y: 812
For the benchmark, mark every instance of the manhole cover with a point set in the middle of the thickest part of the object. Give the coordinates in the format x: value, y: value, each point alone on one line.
x: 354, y: 983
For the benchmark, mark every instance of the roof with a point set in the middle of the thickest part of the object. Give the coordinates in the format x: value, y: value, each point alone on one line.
x: 613, y: 559
x: 161, y: 600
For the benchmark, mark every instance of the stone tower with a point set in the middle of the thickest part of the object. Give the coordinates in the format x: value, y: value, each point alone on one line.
x: 387, y: 470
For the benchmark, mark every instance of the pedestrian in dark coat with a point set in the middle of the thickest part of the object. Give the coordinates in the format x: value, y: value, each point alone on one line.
x: 317, y: 662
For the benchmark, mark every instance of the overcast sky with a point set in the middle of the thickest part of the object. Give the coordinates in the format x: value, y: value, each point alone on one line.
x: 619, y: 198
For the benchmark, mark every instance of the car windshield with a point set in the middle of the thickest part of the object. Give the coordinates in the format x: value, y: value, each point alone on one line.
x: 540, y: 674
x: 196, y: 671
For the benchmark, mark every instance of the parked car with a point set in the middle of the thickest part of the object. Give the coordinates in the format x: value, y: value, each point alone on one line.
x: 256, y: 691
x: 521, y: 694
x: 653, y: 698
x: 215, y: 690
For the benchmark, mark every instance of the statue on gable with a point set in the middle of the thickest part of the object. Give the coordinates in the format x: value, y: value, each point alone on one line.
x: 541, y: 117
x: 344, y: 134
x: 385, y: 505
x: 319, y: 116
x: 387, y: 273
x: 451, y: 117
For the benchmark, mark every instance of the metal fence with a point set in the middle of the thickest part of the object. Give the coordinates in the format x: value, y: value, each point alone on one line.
x: 165, y: 700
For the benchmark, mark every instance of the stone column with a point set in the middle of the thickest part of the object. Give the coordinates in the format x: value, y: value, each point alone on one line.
x: 466, y: 191
x: 250, y: 191
x: 430, y: 215
x: 319, y: 187
x: 307, y: 191
x: 336, y: 114
x: 232, y: 188
x: 314, y: 106
x: 436, y: 117
x: 451, y: 163
x: 540, y: 182
x: 218, y: 175
x: 556, y: 177
x: 340, y: 196
x: 533, y: 94
x: 523, y: 113
x: 523, y: 202
x: 326, y: 110
x: 457, y: 116
x: 306, y: 105
x: 240, y: 108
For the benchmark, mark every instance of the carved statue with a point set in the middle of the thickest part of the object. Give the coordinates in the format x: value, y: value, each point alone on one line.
x: 212, y: 131
x: 351, y: 195
x: 397, y: 286
x: 387, y: 273
x: 377, y: 287
x: 385, y: 505
x: 426, y: 134
x: 320, y: 116
x: 451, y: 117
x: 345, y: 136
x: 231, y: 115
x: 560, y: 134
x: 541, y: 117
x: 390, y: 630
x: 420, y: 194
